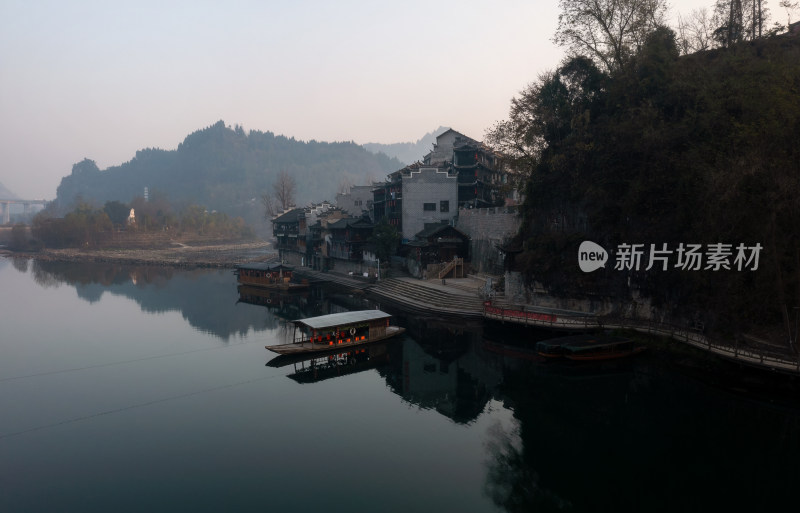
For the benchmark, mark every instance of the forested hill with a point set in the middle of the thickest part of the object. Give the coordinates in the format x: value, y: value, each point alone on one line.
x: 669, y: 151
x: 225, y: 168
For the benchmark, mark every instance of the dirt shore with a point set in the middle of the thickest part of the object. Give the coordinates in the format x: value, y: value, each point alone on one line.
x: 177, y: 254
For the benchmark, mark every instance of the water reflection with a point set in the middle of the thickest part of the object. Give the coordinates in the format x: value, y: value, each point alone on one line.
x: 20, y: 264
x: 632, y: 435
x: 199, y: 295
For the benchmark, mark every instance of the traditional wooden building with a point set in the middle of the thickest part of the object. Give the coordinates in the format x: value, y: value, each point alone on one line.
x: 349, y: 237
x: 437, y: 243
x: 286, y: 229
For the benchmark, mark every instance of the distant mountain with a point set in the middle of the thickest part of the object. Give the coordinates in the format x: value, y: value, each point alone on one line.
x: 226, y: 169
x: 408, y: 152
x: 5, y: 193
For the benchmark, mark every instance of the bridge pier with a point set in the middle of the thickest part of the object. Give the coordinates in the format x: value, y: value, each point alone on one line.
x: 5, y: 207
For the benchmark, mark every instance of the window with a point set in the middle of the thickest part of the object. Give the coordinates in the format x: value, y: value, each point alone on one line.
x: 444, y: 206
x: 429, y: 207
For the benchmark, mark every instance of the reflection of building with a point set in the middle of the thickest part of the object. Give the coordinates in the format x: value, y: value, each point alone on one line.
x: 442, y: 371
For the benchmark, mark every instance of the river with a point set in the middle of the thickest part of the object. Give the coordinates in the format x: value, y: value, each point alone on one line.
x: 149, y: 389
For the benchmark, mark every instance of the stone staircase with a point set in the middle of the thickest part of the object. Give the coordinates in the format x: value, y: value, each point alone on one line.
x: 454, y: 298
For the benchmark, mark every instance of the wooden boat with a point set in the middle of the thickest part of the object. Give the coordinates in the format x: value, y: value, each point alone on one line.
x: 554, y: 347
x: 604, y: 349
x: 338, y: 331
x: 268, y: 275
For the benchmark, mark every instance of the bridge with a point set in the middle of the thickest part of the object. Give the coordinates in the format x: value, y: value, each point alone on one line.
x: 5, y: 207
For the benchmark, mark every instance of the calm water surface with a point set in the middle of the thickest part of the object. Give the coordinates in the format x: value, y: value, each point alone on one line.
x: 141, y: 389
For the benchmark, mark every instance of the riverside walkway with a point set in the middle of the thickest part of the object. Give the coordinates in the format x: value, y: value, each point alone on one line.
x: 568, y: 320
x: 461, y: 297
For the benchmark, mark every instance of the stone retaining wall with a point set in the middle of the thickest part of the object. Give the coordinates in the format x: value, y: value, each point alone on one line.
x: 488, y: 228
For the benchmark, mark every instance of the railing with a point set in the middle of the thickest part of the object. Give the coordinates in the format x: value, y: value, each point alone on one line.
x: 682, y: 334
x: 450, y: 266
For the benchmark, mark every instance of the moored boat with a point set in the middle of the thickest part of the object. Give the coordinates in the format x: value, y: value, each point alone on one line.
x: 268, y: 275
x: 554, y: 347
x: 605, y: 349
x: 337, y: 331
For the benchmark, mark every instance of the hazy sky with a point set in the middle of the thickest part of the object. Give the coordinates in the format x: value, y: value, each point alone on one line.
x: 102, y: 79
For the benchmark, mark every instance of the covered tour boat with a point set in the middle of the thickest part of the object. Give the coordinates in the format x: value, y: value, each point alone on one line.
x: 338, y: 331
x: 268, y: 275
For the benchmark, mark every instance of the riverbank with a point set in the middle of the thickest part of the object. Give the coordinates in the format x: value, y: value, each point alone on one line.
x: 197, y: 254
x: 456, y: 298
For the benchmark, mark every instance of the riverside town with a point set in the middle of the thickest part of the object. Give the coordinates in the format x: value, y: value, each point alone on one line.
x: 235, y: 319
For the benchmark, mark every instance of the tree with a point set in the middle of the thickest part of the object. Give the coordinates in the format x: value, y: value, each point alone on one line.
x: 269, y: 205
x: 608, y: 31
x: 384, y: 239
x: 282, y: 196
x: 285, y: 188
x: 547, y: 110
x: 19, y: 237
x: 118, y: 212
x: 695, y: 31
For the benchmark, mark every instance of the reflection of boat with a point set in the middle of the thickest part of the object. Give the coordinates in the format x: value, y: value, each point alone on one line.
x: 271, y: 297
x: 268, y: 275
x: 603, y: 349
x: 326, y: 366
x: 338, y: 331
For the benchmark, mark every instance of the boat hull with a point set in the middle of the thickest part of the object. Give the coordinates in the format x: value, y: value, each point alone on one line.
x: 308, y: 348
x: 598, y: 356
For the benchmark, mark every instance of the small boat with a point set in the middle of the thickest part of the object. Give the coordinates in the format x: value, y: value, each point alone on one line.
x: 602, y: 349
x: 554, y: 347
x: 334, y: 332
x: 268, y: 275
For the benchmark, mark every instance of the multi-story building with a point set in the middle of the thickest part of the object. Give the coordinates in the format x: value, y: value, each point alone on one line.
x: 430, y: 195
x: 458, y: 172
x: 349, y: 237
x: 297, y: 233
x: 286, y: 229
x: 357, y: 200
x: 482, y: 179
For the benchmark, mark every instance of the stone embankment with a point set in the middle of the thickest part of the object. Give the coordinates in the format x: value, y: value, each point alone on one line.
x: 455, y: 297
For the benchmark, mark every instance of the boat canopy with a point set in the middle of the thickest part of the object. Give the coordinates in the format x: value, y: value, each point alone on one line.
x: 341, y: 319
